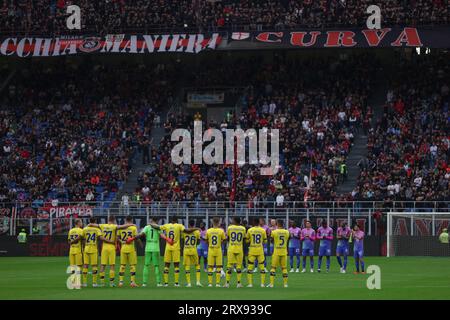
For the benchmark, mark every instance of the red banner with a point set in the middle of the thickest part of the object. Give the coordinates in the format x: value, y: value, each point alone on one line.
x: 60, y: 46
x: 66, y: 211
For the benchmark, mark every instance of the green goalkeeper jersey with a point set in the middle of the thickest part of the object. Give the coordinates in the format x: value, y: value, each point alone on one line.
x: 152, y: 236
x: 443, y: 237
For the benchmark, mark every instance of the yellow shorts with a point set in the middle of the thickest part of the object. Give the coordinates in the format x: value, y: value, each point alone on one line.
x: 190, y: 259
x: 128, y: 258
x: 90, y: 258
x: 172, y: 256
x: 279, y: 261
x: 253, y: 257
x: 108, y: 256
x: 235, y: 258
x: 215, y: 258
x: 76, y: 259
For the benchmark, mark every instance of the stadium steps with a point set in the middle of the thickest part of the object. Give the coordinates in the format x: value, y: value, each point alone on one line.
x: 358, y: 151
x: 359, y: 148
x: 138, y: 168
x: 7, y: 78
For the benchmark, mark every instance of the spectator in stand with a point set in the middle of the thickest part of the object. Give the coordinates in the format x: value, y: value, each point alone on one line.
x: 51, y: 151
x: 116, y: 17
x: 314, y: 139
x: 409, y: 146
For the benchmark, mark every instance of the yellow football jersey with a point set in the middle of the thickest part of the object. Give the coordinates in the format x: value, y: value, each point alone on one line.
x: 109, y: 233
x: 215, y: 237
x: 190, y: 242
x: 90, y: 235
x: 173, y: 231
x: 123, y: 235
x: 75, y: 233
x: 280, y: 240
x: 256, y: 236
x: 236, y: 237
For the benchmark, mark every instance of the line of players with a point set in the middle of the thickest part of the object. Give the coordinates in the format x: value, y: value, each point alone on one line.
x: 255, y: 243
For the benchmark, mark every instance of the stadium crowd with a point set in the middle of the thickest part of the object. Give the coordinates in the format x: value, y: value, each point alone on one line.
x: 317, y: 127
x: 48, y: 151
x: 409, y: 147
x: 63, y: 137
x: 117, y: 16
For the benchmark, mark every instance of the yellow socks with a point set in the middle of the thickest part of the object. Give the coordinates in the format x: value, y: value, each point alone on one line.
x: 263, y: 274
x: 133, y: 273
x: 94, y: 274
x: 198, y: 274
x: 112, y: 274
x: 121, y: 272
x: 218, y: 271
x: 250, y: 274
x: 272, y: 276
x: 177, y: 274
x: 166, y: 275
x: 188, y: 274
x: 239, y: 274
x: 228, y: 277
x: 285, y: 276
x: 85, y: 272
x: 210, y: 273
x: 102, y: 277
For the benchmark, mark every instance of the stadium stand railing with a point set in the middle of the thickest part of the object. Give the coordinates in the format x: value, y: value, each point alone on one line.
x: 59, y: 219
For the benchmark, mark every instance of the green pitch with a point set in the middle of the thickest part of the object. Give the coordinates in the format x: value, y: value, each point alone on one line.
x: 401, y: 278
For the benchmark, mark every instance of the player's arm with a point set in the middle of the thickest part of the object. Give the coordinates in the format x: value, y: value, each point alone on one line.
x: 141, y: 244
x: 206, y: 239
x: 190, y: 230
x: 124, y: 226
x: 76, y: 240
x: 106, y: 240
x: 302, y: 236
x: 156, y: 226
x: 140, y: 236
x: 137, y: 237
x: 224, y: 237
x: 93, y: 225
x: 319, y: 235
x: 330, y: 236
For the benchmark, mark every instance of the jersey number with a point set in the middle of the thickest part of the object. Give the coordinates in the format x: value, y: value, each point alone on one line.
x: 214, y: 240
x: 236, y: 237
x: 126, y: 235
x: 256, y: 238
x: 190, y: 241
x: 108, y: 235
x: 282, y: 241
x: 90, y: 237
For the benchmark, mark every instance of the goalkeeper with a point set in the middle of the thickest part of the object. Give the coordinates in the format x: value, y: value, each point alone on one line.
x: 152, y: 251
x: 443, y: 237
